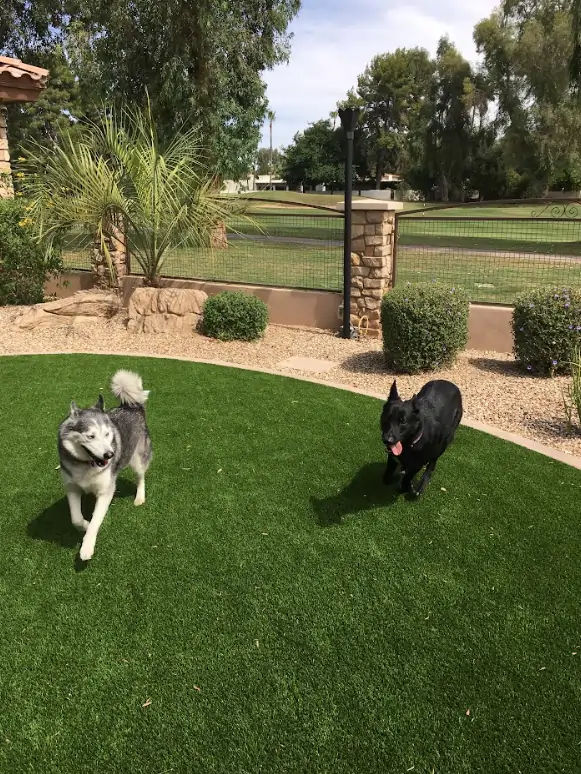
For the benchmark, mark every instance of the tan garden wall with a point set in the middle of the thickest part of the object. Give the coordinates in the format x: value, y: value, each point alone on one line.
x: 489, y: 326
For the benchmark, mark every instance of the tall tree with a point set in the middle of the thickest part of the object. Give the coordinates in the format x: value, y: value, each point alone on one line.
x: 448, y: 139
x: 200, y: 62
x: 392, y: 91
x: 315, y: 156
x: 528, y: 47
x: 263, y: 161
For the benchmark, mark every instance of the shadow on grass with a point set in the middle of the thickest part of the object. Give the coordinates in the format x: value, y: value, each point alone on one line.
x: 365, y: 492
x: 54, y: 524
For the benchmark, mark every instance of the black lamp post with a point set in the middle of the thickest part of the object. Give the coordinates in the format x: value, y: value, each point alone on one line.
x: 349, y: 118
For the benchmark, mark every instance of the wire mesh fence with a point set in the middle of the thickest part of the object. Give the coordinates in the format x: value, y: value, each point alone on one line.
x: 77, y: 249
x: 494, y: 257
x: 296, y: 249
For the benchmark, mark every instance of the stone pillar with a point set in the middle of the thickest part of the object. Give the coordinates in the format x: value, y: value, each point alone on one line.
x: 372, y: 240
x: 6, y: 189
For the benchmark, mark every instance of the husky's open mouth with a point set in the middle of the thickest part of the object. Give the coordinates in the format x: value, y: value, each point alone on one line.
x: 100, y: 462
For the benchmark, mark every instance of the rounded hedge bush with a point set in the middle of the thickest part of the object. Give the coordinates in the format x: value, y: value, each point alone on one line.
x: 546, y: 326
x: 24, y: 267
x: 233, y: 316
x: 424, y: 326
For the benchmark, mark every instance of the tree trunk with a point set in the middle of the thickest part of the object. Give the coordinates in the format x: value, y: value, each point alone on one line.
x: 108, y: 273
x: 219, y: 237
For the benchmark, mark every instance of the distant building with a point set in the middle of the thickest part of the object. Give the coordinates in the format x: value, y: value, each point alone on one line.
x: 254, y: 183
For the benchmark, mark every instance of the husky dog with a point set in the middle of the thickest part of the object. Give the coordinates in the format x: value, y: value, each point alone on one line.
x: 95, y: 446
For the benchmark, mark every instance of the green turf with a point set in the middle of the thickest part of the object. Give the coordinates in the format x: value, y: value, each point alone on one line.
x: 277, y: 606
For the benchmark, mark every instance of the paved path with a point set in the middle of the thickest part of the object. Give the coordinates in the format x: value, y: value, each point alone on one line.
x: 402, y: 249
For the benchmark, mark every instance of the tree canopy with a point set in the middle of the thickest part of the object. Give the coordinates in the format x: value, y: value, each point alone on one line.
x: 199, y: 64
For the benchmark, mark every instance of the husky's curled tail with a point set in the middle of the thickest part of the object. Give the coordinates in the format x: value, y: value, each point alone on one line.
x: 128, y: 388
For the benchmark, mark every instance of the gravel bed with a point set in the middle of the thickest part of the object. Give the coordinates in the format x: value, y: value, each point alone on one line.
x: 494, y: 390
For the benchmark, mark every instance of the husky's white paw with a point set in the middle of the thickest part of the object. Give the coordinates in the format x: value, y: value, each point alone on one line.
x: 139, y: 500
x: 81, y: 525
x: 86, y: 551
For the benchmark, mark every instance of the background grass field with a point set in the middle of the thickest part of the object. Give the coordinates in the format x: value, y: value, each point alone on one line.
x: 495, y: 252
x: 273, y: 607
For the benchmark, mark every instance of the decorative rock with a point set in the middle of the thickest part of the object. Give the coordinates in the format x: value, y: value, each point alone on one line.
x: 358, y: 219
x: 372, y: 303
x: 372, y: 283
x: 372, y: 293
x: 359, y: 271
x: 86, y: 306
x: 382, y: 251
x: 370, y: 230
x: 358, y: 245
x: 375, y: 216
x: 165, y: 310
x: 355, y: 292
x: 375, y: 314
x: 381, y: 273
x: 384, y: 228
x: 375, y: 241
x: 357, y: 231
x: 359, y: 282
x: 372, y: 261
x: 355, y: 260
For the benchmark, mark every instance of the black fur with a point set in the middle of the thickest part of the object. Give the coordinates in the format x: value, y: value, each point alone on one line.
x: 425, y: 426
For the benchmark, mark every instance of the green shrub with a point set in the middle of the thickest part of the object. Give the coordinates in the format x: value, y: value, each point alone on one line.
x: 233, y: 316
x: 424, y: 326
x: 24, y: 267
x: 546, y: 326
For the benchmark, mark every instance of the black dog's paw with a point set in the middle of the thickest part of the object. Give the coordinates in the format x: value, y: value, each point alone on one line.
x: 388, y: 477
x: 406, y: 486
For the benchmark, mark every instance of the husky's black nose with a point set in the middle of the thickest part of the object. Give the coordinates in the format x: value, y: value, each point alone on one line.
x: 108, y: 455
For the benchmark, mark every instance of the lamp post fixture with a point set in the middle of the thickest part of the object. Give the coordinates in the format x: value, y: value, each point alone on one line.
x: 349, y: 118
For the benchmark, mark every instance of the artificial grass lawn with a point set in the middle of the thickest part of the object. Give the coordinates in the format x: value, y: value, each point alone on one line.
x: 273, y: 607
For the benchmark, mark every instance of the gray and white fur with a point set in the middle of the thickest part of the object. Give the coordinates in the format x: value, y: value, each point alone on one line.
x: 94, y: 446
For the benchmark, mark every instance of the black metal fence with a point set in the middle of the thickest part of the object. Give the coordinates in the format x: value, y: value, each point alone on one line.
x: 299, y: 248
x: 495, y: 252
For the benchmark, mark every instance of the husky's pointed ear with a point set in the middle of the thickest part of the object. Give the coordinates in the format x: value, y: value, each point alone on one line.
x: 393, y: 393
x: 100, y: 404
x: 74, y: 409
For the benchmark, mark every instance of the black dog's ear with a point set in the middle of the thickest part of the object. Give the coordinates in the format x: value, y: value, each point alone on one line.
x: 100, y: 404
x: 74, y: 409
x: 393, y: 393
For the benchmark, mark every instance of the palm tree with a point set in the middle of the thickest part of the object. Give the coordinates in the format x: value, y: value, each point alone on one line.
x: 271, y: 116
x: 122, y: 185
x: 575, y: 62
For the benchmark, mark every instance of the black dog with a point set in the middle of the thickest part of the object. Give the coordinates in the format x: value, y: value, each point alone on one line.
x: 416, y: 432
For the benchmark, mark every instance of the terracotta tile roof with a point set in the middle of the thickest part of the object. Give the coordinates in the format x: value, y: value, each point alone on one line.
x: 17, y: 69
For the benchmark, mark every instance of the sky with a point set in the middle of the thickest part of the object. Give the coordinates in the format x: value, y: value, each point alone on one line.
x: 335, y: 39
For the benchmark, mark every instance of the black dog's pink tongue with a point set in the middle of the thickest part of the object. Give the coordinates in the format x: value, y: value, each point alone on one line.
x: 397, y: 448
